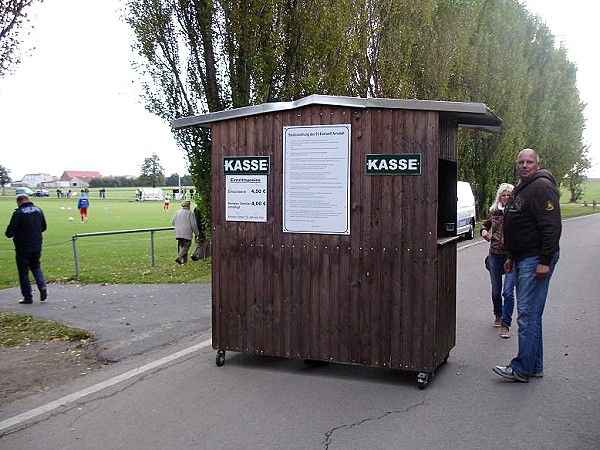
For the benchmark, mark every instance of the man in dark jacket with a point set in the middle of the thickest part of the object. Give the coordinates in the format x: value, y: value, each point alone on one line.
x: 532, y: 229
x: 25, y: 228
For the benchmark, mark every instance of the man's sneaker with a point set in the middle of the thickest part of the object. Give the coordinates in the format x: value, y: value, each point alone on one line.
x: 26, y: 302
x: 497, y: 322
x: 504, y: 331
x: 194, y: 258
x: 509, y: 373
x: 538, y: 375
x: 43, y: 294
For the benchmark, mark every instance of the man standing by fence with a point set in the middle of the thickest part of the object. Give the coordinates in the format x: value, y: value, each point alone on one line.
x: 25, y: 228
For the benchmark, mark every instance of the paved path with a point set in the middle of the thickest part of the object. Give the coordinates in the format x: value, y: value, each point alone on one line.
x: 125, y: 319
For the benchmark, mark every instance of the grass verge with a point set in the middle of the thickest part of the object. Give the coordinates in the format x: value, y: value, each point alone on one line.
x: 569, y: 210
x: 21, y: 329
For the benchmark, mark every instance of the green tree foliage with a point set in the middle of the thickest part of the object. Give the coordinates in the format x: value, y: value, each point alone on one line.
x: 201, y: 56
x: 120, y: 181
x: 175, y: 180
x: 152, y: 173
x: 575, y: 178
x: 12, y: 15
x: 4, y: 178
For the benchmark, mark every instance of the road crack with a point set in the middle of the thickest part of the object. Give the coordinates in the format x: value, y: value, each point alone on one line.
x: 329, y: 434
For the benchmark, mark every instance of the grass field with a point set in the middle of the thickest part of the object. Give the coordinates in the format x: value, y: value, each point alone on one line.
x: 591, y: 190
x: 126, y: 258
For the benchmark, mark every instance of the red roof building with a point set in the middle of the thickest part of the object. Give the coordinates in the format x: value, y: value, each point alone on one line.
x: 79, y: 178
x: 81, y: 174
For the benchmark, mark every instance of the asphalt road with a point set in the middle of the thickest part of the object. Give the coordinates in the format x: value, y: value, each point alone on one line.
x: 125, y: 319
x: 185, y: 401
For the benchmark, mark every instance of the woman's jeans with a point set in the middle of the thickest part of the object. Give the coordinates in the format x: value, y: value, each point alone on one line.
x: 496, y: 268
x: 531, y: 299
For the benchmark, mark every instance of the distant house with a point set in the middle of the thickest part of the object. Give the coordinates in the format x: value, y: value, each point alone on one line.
x: 56, y: 183
x: 35, y: 180
x: 79, y: 178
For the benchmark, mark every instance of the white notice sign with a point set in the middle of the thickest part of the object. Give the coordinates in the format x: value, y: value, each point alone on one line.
x: 246, y: 198
x: 316, y: 179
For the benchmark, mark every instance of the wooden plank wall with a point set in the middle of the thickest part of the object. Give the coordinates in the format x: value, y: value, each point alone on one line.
x: 445, y: 328
x: 448, y: 138
x: 367, y: 298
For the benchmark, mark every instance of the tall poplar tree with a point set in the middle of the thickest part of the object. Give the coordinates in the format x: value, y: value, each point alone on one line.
x: 201, y: 56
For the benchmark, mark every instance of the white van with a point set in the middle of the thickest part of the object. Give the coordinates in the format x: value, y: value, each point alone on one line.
x: 465, y: 210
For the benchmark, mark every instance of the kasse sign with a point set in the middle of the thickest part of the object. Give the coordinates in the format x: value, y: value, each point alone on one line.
x: 409, y: 164
x: 248, y: 165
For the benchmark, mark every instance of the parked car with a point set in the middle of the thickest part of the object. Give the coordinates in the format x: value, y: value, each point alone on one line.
x: 23, y: 190
x: 41, y: 193
x: 465, y: 210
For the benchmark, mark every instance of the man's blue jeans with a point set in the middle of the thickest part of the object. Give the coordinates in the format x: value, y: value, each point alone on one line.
x: 507, y: 291
x: 27, y: 261
x: 531, y: 299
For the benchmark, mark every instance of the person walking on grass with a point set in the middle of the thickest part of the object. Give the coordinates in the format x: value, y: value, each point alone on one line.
x: 25, y: 228
x: 186, y: 228
x: 493, y: 232
x: 532, y: 229
x: 82, y: 205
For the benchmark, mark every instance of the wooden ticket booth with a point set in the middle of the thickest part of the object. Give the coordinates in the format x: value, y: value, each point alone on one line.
x: 333, y: 232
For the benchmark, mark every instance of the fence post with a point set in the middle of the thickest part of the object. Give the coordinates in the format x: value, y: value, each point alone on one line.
x: 74, y: 239
x: 152, y: 246
x: 104, y: 233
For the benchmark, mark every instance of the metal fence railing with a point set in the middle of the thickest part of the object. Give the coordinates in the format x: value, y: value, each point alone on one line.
x: 104, y: 233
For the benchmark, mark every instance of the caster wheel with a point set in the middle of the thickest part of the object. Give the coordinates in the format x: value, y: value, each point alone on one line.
x: 220, y: 358
x: 423, y: 379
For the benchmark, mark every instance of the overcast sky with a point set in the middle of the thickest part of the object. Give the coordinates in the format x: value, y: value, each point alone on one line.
x: 574, y: 22
x: 74, y: 102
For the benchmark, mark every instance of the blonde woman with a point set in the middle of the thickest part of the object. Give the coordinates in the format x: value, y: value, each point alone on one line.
x: 493, y: 232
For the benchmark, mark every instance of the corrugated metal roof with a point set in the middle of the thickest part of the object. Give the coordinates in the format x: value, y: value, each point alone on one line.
x: 468, y: 115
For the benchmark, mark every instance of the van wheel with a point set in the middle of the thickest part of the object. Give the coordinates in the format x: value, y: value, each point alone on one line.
x: 471, y: 233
